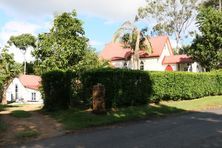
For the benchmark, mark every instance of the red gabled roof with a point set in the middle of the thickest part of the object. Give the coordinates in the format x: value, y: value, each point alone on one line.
x: 116, y: 51
x: 30, y: 81
x: 176, y: 59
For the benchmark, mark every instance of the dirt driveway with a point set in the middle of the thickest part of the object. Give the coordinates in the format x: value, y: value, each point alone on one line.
x: 42, y: 124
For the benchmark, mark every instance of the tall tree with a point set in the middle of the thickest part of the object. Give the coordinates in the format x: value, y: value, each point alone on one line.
x: 22, y: 42
x: 8, y: 69
x: 65, y: 46
x: 133, y: 38
x: 207, y: 46
x: 171, y: 17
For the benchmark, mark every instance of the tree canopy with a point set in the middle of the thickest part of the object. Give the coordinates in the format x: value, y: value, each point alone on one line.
x: 65, y: 46
x: 170, y: 17
x: 207, y: 45
x: 8, y: 69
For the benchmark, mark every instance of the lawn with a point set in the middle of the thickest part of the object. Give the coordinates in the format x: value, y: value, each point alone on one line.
x: 20, y: 114
x: 74, y: 119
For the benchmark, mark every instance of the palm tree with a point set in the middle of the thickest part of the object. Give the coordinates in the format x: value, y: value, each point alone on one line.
x: 133, y: 38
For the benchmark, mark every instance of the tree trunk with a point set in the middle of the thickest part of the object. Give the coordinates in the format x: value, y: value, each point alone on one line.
x: 24, y: 63
x: 220, y: 5
x: 5, y: 86
x: 137, y: 48
x: 177, y: 42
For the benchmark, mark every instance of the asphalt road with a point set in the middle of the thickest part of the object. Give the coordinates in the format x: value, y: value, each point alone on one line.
x: 190, y: 130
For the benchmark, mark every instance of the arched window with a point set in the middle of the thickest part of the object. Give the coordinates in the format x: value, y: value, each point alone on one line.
x: 16, y: 92
x: 141, y: 65
x: 169, y: 68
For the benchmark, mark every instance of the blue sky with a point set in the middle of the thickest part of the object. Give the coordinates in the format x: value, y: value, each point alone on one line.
x: 101, y: 18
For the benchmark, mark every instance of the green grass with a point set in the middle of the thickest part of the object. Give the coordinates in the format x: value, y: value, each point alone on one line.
x: 3, y: 126
x: 27, y: 134
x: 20, y: 114
x: 196, y: 104
x: 74, y: 119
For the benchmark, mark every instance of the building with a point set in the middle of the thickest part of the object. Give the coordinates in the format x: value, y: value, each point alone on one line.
x: 162, y: 57
x: 25, y: 88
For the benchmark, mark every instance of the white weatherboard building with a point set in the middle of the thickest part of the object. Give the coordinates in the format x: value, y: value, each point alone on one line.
x: 25, y: 88
x: 162, y: 57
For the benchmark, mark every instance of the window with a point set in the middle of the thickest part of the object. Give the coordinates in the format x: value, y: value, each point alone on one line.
x: 33, y: 96
x: 125, y: 64
x: 141, y: 65
x: 16, y: 92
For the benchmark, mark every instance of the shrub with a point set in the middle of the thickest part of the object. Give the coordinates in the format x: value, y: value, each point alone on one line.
x: 123, y: 87
x: 56, y: 87
x: 185, y: 85
x: 126, y: 87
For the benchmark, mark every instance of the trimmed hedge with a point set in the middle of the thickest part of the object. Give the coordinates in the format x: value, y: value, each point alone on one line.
x: 127, y: 87
x: 123, y: 87
x: 185, y: 85
x: 56, y: 87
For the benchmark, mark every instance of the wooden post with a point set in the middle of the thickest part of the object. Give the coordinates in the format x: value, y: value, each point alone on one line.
x: 98, y: 100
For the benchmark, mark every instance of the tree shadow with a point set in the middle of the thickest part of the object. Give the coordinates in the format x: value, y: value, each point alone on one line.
x: 189, y: 129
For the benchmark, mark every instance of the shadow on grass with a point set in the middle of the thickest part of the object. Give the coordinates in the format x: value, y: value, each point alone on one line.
x: 195, y: 128
x: 74, y: 119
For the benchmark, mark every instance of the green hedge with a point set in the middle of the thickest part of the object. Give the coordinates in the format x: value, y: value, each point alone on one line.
x: 185, y: 85
x: 56, y: 87
x: 123, y: 87
x: 127, y: 87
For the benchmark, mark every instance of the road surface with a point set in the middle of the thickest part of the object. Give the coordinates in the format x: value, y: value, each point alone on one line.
x: 190, y: 130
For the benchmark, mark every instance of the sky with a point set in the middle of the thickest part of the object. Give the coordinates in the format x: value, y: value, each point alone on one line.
x: 101, y: 18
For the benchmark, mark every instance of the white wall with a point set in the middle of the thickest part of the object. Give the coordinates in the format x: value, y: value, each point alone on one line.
x: 24, y: 94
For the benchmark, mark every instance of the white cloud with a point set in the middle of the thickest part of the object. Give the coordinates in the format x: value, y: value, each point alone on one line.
x: 17, y: 28
x: 95, y: 43
x: 108, y: 10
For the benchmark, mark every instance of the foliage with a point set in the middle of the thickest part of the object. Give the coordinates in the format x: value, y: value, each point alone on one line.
x: 123, y: 87
x: 8, y: 69
x: 207, y: 46
x: 65, y: 47
x: 135, y: 39
x: 57, y: 90
x: 23, y: 41
x: 183, y: 85
x: 172, y: 17
x: 20, y: 114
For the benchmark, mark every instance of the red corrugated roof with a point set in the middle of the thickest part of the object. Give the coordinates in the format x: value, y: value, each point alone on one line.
x: 175, y: 59
x: 116, y: 51
x: 30, y: 81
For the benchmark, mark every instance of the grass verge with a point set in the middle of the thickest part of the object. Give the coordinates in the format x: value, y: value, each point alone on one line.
x: 27, y: 134
x: 74, y: 119
x: 3, y: 126
x: 20, y: 114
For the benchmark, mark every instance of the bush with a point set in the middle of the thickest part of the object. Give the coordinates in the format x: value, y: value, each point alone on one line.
x: 185, y: 85
x: 126, y: 87
x: 123, y: 87
x: 56, y: 87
